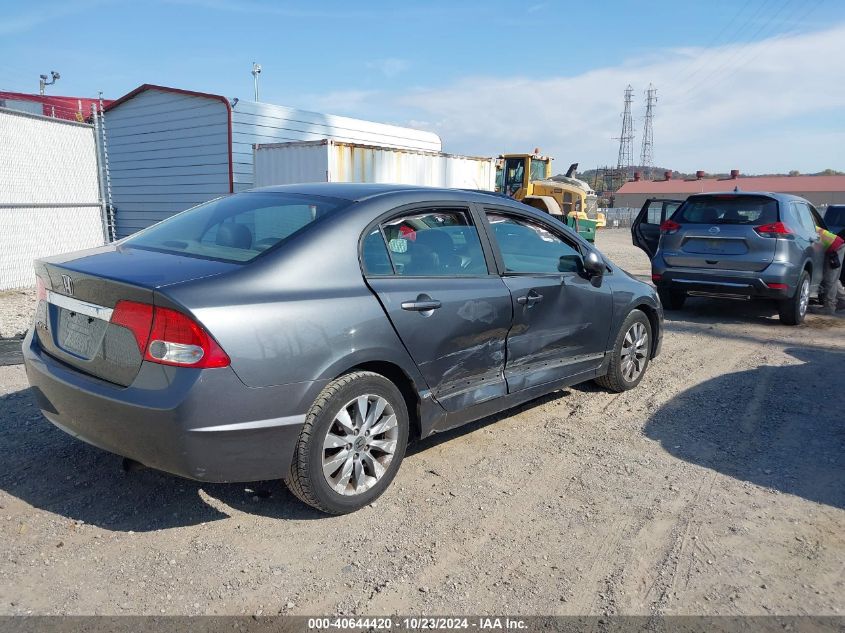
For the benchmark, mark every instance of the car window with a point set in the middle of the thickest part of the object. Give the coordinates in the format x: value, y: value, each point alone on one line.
x: 835, y: 215
x: 530, y: 247
x: 434, y: 243
x: 236, y: 228
x: 727, y: 209
x: 375, y: 259
x: 805, y: 216
x: 654, y: 213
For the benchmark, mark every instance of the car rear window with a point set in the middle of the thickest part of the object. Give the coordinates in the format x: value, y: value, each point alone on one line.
x: 834, y: 215
x: 727, y: 209
x: 236, y: 228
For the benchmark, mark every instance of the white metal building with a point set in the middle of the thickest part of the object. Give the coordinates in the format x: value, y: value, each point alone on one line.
x: 49, y: 192
x: 169, y: 149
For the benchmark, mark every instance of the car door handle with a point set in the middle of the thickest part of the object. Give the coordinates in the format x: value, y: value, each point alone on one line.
x: 530, y: 299
x: 421, y: 306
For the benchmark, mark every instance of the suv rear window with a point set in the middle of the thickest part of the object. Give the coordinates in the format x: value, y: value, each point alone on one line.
x: 727, y: 209
x: 236, y: 228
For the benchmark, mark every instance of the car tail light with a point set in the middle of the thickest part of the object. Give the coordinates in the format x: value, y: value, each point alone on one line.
x: 775, y: 229
x: 776, y: 286
x: 40, y: 289
x: 169, y: 337
x: 656, y: 276
x: 668, y: 227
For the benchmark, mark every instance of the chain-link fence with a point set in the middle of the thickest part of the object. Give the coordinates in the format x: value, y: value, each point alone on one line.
x: 50, y: 194
x: 620, y: 217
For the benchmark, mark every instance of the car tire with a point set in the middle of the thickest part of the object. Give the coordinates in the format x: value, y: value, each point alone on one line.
x: 672, y: 299
x: 336, y: 416
x: 793, y: 310
x: 628, y: 348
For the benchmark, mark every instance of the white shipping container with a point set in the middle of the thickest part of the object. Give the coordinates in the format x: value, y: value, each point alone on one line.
x: 335, y: 161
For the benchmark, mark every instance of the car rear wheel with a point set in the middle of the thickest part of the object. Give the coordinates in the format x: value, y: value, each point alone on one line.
x: 351, y: 444
x: 793, y: 310
x: 672, y: 299
x: 630, y: 355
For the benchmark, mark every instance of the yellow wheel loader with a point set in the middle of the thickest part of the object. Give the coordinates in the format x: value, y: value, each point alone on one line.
x: 528, y: 178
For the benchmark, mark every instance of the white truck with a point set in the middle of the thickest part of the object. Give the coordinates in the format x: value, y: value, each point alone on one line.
x: 328, y: 160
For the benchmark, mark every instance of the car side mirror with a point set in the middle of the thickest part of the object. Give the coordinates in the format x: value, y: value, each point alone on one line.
x: 593, y: 264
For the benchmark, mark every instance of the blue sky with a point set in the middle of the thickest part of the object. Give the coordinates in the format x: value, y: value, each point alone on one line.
x: 753, y: 84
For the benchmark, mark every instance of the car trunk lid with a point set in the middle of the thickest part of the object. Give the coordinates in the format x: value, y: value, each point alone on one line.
x: 80, y: 292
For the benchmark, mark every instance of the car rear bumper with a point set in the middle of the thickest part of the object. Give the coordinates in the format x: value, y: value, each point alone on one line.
x: 777, y: 281
x: 200, y: 424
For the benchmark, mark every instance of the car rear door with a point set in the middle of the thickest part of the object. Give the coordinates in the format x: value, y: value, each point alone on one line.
x: 645, y: 230
x: 561, y: 321
x: 807, y: 238
x: 429, y: 269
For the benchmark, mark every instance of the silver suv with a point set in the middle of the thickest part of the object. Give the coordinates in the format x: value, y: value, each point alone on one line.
x: 739, y: 245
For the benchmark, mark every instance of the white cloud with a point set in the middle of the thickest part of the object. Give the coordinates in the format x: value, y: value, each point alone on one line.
x: 753, y: 107
x: 389, y: 67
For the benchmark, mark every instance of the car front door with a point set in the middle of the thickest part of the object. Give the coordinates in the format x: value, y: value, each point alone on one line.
x: 429, y: 270
x: 562, y: 316
x: 645, y: 230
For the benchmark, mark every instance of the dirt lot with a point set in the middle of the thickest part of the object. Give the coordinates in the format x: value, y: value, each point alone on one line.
x: 716, y: 487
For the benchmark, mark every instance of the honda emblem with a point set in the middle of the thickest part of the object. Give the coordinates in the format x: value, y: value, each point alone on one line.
x: 67, y: 283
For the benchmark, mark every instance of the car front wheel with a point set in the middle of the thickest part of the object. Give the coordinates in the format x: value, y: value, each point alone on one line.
x: 351, y: 444
x: 630, y: 355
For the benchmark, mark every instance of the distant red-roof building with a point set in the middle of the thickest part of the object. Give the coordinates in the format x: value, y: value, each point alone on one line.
x: 71, y: 108
x: 819, y: 190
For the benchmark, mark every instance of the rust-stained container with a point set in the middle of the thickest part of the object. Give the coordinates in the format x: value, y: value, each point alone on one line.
x: 334, y: 161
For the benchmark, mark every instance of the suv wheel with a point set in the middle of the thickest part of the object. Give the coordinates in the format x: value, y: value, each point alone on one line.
x: 793, y: 310
x: 672, y: 299
x: 630, y: 355
x: 351, y: 445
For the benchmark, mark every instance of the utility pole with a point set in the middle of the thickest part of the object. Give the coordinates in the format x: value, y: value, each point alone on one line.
x: 256, y: 70
x: 647, y: 152
x: 626, y: 139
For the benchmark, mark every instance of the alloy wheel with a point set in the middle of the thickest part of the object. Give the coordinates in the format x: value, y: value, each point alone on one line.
x: 634, y: 351
x: 804, y: 299
x: 360, y: 444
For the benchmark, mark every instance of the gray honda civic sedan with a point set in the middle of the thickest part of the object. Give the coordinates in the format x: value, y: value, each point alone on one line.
x: 308, y: 332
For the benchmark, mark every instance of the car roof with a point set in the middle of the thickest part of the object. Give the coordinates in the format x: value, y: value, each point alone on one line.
x: 770, y: 194
x: 355, y: 191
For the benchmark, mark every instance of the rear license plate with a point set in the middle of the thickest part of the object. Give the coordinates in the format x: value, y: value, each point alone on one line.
x: 78, y: 333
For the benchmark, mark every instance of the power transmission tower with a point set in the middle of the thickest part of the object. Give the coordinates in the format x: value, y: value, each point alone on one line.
x: 626, y: 141
x: 647, y: 152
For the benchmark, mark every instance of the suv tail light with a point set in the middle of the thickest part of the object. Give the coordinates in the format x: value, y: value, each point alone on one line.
x: 775, y: 229
x: 169, y: 337
x: 668, y: 227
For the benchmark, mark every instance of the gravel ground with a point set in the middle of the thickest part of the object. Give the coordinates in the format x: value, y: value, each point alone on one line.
x: 16, y: 310
x: 715, y: 487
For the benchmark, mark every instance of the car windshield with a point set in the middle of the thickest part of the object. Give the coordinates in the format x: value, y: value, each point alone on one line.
x: 835, y: 216
x: 236, y: 228
x: 727, y: 209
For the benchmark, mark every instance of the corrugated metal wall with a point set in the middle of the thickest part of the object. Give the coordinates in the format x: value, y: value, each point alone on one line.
x: 254, y: 123
x: 167, y: 152
x: 49, y: 192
